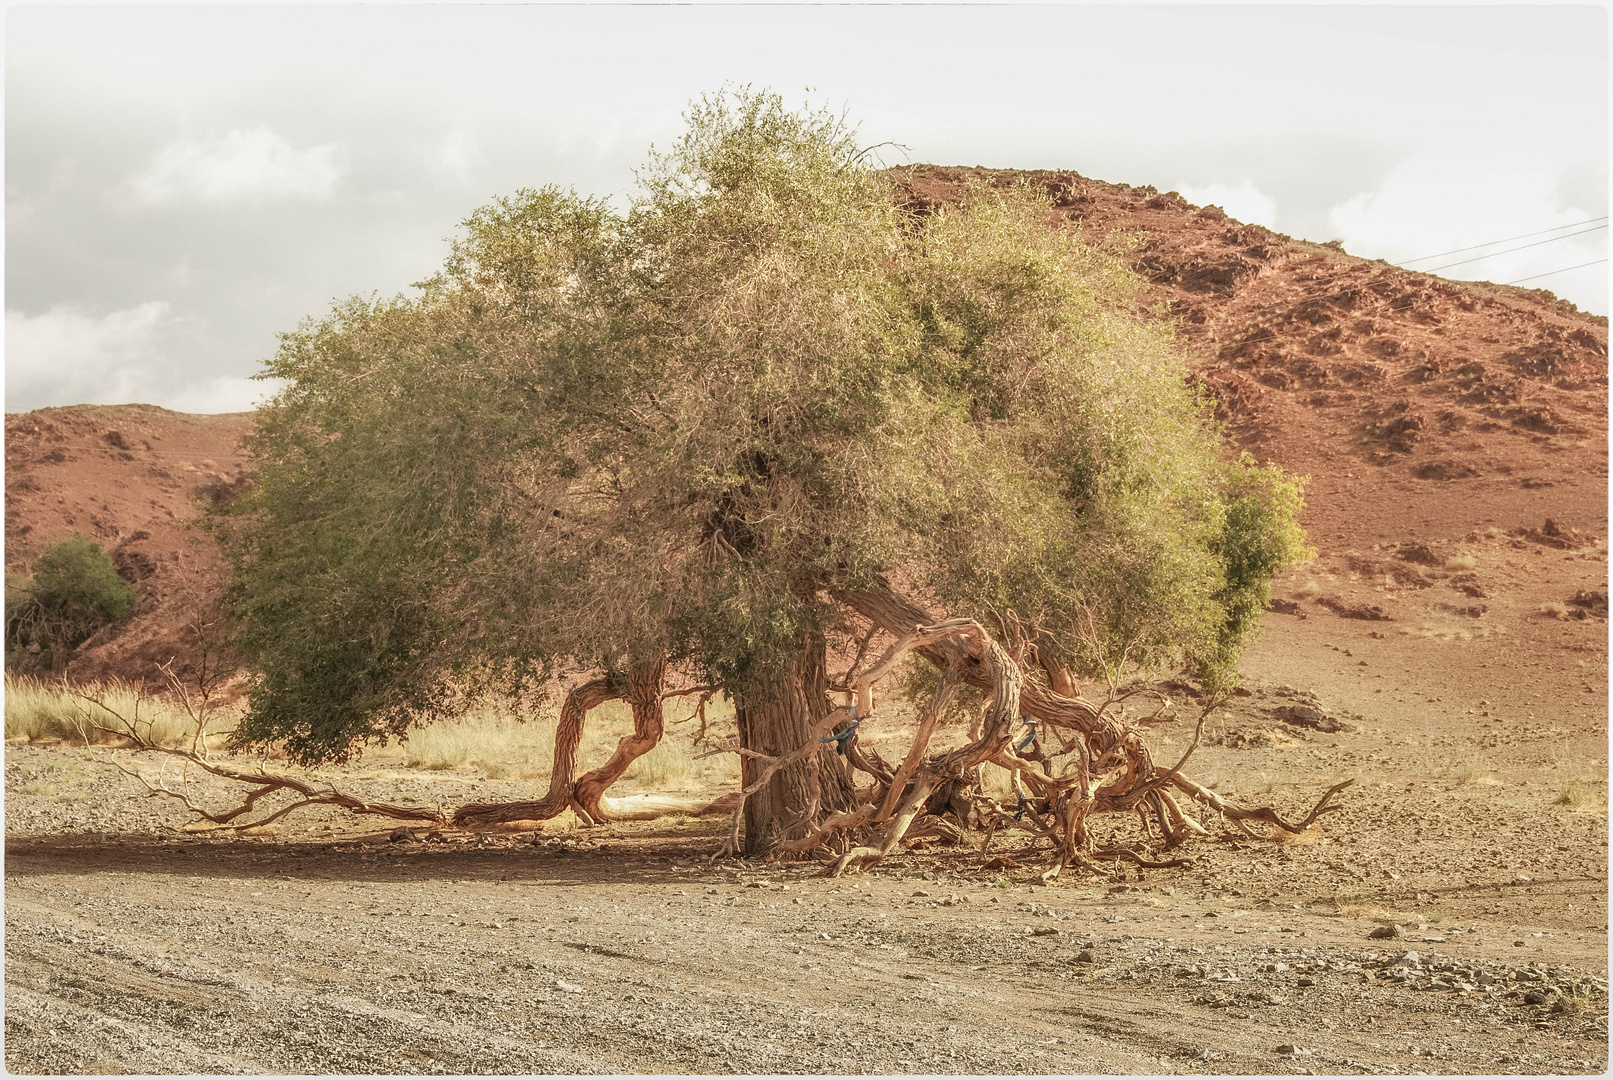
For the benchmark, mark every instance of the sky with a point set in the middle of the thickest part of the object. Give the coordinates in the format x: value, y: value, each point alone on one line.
x: 183, y: 184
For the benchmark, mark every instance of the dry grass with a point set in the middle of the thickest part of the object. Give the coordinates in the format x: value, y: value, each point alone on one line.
x: 1461, y: 562
x: 1310, y: 590
x: 1581, y: 791
x: 1552, y: 609
x: 1469, y: 773
x: 997, y: 782
x: 492, y: 739
x: 42, y: 712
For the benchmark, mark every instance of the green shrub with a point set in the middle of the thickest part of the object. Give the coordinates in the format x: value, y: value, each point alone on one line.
x: 74, y: 592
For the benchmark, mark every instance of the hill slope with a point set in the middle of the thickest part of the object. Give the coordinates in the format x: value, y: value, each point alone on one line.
x: 1384, y: 385
x: 131, y: 477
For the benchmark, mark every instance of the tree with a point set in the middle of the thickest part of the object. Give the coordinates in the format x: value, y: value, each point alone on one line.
x: 75, y: 591
x: 757, y: 416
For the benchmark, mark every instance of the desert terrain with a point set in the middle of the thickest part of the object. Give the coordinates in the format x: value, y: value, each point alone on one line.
x: 1446, y: 649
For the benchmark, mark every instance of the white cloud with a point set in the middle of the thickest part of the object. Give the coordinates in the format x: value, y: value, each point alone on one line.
x: 1245, y: 203
x: 243, y: 166
x: 222, y: 394
x: 1446, y: 200
x: 69, y: 356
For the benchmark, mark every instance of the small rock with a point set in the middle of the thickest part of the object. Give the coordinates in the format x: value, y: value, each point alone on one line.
x: 568, y: 987
x: 1306, y: 980
x: 402, y: 835
x: 1085, y: 957
x: 1522, y: 879
x: 1383, y: 932
x: 1286, y: 1049
x: 1410, y: 958
x: 1044, y: 931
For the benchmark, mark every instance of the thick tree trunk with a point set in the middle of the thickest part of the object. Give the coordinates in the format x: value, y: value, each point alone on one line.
x: 776, y: 715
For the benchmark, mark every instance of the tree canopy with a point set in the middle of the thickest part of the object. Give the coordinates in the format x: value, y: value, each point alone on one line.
x: 600, y: 438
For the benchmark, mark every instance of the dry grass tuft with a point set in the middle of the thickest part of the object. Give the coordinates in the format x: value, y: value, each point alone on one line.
x: 1470, y: 773
x: 669, y: 765
x: 1581, y: 793
x: 42, y: 712
x: 1461, y: 562
x: 996, y: 782
x: 1552, y: 609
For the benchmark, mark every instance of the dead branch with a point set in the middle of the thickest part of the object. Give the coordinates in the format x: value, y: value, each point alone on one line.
x: 262, y: 782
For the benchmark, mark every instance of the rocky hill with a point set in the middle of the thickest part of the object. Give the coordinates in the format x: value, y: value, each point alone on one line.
x: 1423, y: 410
x: 134, y: 478
x: 1414, y: 403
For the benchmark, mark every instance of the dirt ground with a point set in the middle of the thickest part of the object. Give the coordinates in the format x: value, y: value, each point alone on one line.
x: 132, y: 946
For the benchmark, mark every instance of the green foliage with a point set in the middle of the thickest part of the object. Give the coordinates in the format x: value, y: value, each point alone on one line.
x: 597, y: 435
x: 75, y: 591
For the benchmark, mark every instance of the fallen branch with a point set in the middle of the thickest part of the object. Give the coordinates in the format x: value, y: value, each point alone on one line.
x: 262, y: 782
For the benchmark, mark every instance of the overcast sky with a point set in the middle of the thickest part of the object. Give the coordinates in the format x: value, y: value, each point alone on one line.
x: 184, y: 183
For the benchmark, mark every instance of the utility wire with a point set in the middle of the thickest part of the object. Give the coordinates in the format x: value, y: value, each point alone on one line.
x: 1508, y: 251
x: 1506, y: 240
x: 1548, y: 273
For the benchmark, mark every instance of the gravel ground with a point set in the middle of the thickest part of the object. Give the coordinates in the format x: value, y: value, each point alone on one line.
x: 620, y: 951
x: 135, y: 946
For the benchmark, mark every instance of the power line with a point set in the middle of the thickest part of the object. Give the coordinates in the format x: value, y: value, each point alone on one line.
x: 1508, y: 251
x: 1504, y: 240
x: 1548, y: 273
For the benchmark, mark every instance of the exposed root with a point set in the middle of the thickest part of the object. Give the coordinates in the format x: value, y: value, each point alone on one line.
x: 1241, y: 814
x: 1068, y: 758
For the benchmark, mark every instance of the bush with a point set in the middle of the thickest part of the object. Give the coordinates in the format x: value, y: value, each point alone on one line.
x: 74, y: 592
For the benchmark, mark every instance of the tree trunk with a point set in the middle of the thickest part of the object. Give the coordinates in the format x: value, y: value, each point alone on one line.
x: 562, y: 786
x: 777, y: 714
x: 644, y: 694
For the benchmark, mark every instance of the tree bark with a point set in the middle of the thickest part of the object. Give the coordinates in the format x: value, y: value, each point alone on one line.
x: 777, y: 713
x: 562, y: 787
x: 644, y: 694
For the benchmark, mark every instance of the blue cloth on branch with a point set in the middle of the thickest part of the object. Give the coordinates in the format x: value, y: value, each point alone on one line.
x: 842, y: 738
